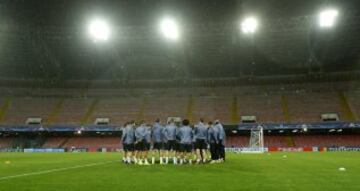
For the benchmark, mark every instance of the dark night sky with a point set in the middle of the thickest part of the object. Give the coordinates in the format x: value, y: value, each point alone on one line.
x: 281, y: 47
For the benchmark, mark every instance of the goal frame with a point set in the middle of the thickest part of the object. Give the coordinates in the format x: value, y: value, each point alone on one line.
x: 256, y: 143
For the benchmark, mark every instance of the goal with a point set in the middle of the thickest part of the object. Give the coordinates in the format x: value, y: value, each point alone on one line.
x: 256, y: 144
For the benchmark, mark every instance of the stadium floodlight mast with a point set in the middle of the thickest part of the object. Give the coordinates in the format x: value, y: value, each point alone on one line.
x: 170, y: 29
x: 327, y: 18
x: 249, y: 25
x: 99, y: 30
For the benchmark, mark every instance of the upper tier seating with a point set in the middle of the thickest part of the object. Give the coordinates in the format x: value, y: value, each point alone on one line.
x: 119, y: 110
x: 73, y: 110
x: 226, y: 105
x: 211, y: 108
x: 266, y: 108
x: 308, y: 107
x: 22, y: 108
x: 354, y: 101
x: 164, y: 107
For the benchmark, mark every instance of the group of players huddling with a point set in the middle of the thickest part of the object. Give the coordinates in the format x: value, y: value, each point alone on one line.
x: 178, y: 143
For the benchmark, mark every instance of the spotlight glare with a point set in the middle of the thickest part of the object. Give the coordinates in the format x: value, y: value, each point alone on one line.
x: 327, y: 18
x: 249, y: 25
x: 170, y: 29
x: 99, y: 30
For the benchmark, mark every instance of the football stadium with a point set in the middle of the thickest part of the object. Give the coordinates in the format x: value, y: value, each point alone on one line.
x: 179, y: 95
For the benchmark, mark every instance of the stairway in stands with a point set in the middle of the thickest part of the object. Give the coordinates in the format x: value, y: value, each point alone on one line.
x: 90, y: 111
x: 289, y: 141
x: 142, y: 109
x: 64, y: 142
x: 285, y: 109
x: 53, y: 114
x: 4, y: 108
x: 234, y: 111
x: 190, y: 108
x: 350, y: 115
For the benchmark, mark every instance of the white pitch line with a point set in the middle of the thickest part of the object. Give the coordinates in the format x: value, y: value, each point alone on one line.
x: 54, y: 170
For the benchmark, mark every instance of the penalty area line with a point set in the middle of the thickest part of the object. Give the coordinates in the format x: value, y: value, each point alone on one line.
x: 55, y: 170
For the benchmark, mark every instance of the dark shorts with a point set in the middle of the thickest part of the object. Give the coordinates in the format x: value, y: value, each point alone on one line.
x: 186, y: 148
x: 140, y: 146
x: 177, y: 146
x: 200, y: 144
x: 158, y: 146
x: 171, y: 145
x: 147, y: 146
x: 128, y: 147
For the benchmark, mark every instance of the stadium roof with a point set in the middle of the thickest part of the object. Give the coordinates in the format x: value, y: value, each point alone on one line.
x: 47, y: 39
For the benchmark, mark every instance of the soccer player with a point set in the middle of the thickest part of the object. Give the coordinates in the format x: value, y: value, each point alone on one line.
x: 157, y: 138
x: 147, y: 142
x: 177, y: 149
x: 185, y: 134
x: 213, y: 138
x: 200, y: 135
x: 122, y: 142
x: 222, y: 137
x: 128, y: 139
x: 170, y: 131
x: 140, y: 134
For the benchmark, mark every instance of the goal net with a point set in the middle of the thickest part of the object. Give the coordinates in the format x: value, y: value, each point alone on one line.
x: 256, y: 144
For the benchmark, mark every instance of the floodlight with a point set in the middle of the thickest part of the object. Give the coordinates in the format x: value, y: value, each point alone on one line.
x: 327, y: 18
x: 249, y: 25
x: 99, y: 30
x: 170, y: 29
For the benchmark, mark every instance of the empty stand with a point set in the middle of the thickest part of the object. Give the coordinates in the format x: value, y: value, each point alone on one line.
x: 211, y: 108
x: 228, y: 106
x: 354, y: 102
x: 298, y: 141
x: 93, y: 142
x: 54, y: 142
x: 164, y: 107
x: 326, y: 140
x: 237, y: 141
x: 23, y: 107
x: 266, y: 108
x: 308, y: 107
x: 73, y: 110
x: 244, y: 141
x: 119, y: 110
x: 5, y: 142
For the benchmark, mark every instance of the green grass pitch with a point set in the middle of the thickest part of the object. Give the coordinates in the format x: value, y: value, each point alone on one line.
x: 103, y: 171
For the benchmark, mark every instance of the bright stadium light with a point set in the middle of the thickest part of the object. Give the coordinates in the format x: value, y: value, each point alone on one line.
x: 327, y: 18
x: 99, y: 30
x: 170, y: 29
x: 249, y: 25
